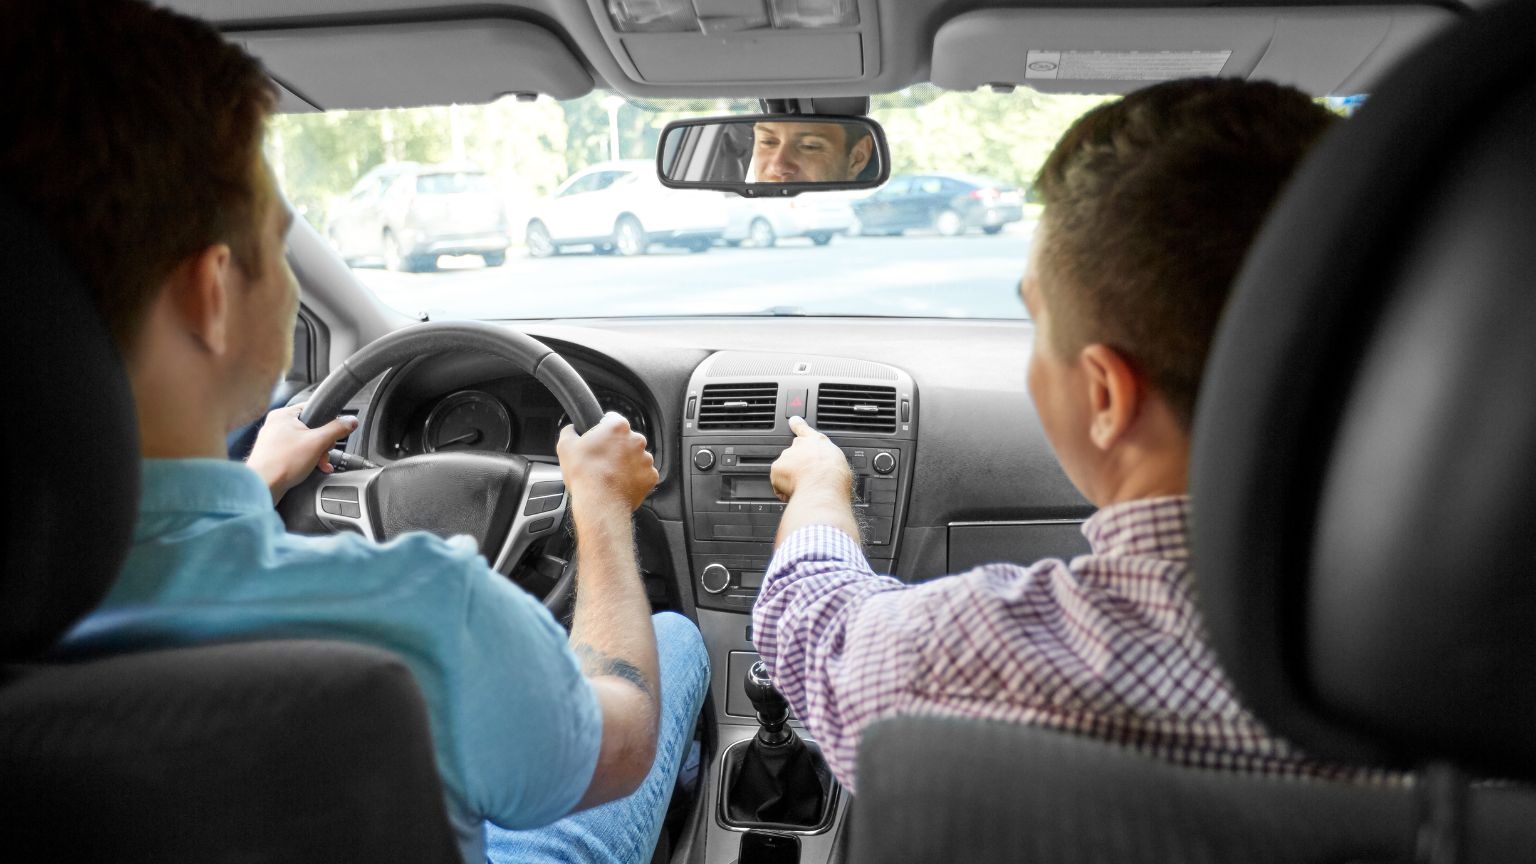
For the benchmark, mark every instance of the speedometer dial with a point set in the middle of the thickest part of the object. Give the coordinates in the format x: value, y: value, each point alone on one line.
x: 468, y: 420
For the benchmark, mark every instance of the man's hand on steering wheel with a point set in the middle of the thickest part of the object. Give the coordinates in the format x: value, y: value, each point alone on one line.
x: 607, y: 465
x: 286, y: 450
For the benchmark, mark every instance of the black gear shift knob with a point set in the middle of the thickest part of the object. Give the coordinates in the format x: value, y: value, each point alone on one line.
x: 771, y: 706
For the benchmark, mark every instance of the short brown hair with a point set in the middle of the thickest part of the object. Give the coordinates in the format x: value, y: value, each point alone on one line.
x: 133, y: 133
x: 1151, y: 203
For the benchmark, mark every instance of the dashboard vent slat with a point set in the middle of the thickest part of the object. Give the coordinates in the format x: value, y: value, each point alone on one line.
x: 739, y: 406
x: 854, y: 408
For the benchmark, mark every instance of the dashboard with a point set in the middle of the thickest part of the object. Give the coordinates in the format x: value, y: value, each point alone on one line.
x: 951, y: 466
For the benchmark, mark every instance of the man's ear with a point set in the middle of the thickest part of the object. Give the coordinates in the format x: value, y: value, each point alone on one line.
x: 199, y: 291
x: 1115, y: 394
x: 859, y: 156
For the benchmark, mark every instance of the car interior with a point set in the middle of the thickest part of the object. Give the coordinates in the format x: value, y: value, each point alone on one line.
x: 1363, y: 547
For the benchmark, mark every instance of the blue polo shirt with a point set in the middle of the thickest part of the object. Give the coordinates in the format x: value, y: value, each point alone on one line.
x: 515, y: 725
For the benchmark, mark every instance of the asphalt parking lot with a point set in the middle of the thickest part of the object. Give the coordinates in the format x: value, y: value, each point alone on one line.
x: 926, y: 275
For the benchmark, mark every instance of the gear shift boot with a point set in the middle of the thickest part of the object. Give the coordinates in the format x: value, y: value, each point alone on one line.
x: 775, y: 780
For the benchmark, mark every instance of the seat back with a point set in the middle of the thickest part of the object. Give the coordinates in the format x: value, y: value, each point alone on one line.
x: 264, y: 751
x: 940, y: 790
x: 294, y: 752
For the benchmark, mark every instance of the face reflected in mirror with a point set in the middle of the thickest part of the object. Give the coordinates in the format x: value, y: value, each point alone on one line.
x: 789, y: 152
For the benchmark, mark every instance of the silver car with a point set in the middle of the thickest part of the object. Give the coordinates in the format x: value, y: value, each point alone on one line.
x: 405, y: 215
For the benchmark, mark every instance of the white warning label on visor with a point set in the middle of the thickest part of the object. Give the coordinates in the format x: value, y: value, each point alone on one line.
x: 1123, y: 65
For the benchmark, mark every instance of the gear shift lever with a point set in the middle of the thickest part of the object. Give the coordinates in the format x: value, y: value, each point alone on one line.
x: 775, y: 779
x: 771, y: 706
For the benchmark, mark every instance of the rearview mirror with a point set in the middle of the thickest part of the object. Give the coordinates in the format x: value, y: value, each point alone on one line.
x: 773, y: 154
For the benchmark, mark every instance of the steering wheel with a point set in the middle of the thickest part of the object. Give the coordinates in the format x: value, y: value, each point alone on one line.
x: 502, y: 500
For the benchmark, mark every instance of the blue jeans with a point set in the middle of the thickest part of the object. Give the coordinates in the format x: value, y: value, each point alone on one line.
x: 625, y: 831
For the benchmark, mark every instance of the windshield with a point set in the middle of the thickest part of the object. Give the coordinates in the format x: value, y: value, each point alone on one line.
x: 552, y: 209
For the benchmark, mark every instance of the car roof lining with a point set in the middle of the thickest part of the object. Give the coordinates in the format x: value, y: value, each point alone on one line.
x: 897, y: 42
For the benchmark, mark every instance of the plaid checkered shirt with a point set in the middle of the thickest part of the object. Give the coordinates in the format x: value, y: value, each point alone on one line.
x: 1109, y: 645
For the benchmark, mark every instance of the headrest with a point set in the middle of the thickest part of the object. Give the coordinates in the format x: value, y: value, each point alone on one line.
x: 70, y: 444
x: 1364, y: 466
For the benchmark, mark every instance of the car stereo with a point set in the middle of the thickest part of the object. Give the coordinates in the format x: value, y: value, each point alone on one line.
x: 736, y: 424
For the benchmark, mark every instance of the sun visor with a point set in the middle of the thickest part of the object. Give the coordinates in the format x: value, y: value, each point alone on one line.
x: 289, y: 102
x: 1321, y: 51
x: 410, y: 65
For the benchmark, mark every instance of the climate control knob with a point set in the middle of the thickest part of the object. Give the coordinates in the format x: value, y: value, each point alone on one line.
x: 884, y: 463
x: 715, y: 578
x: 704, y: 459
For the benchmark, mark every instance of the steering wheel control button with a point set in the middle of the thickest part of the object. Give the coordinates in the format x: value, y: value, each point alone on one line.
x: 884, y: 463
x: 542, y: 505
x: 715, y: 578
x: 341, y: 508
x: 704, y: 459
x: 339, y: 493
x: 541, y: 524
x: 548, y: 487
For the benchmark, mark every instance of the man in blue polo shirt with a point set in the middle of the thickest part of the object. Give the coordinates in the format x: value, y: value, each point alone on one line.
x: 138, y: 141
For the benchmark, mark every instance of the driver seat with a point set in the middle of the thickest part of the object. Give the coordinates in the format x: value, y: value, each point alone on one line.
x: 262, y: 751
x: 1364, y: 489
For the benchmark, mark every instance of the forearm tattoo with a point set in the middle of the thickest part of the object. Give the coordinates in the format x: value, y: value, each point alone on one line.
x: 595, y: 662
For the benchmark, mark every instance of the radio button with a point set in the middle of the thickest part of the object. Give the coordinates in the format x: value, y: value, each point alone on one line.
x: 704, y: 459
x: 715, y: 578
x: 884, y: 463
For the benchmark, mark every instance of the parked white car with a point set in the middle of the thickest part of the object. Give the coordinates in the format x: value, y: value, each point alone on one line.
x: 621, y: 207
x: 405, y: 215
x: 762, y: 222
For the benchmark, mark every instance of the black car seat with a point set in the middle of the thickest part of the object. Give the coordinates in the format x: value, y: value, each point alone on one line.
x: 279, y: 751
x: 1364, y: 495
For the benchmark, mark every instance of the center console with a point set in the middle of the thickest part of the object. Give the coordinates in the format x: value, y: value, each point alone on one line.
x: 736, y: 423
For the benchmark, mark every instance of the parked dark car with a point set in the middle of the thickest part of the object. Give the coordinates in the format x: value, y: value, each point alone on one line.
x: 946, y: 203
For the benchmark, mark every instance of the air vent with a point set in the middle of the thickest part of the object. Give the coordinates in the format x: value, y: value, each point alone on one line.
x: 851, y: 408
x: 739, y: 406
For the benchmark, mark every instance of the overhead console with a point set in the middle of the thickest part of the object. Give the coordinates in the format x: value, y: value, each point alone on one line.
x: 787, y: 48
x: 735, y: 424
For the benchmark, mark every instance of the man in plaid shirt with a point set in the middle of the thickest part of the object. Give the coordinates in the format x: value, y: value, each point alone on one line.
x: 1151, y: 202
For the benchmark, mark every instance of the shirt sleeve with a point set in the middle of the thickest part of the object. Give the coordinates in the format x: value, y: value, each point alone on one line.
x: 529, y: 727
x: 848, y: 647
x: 834, y: 637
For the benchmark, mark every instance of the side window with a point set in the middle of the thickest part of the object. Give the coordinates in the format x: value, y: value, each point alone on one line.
x: 585, y: 184
x: 930, y: 186
x: 604, y: 179
x: 895, y: 187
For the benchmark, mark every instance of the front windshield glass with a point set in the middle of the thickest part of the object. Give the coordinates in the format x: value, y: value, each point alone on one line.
x: 552, y: 209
